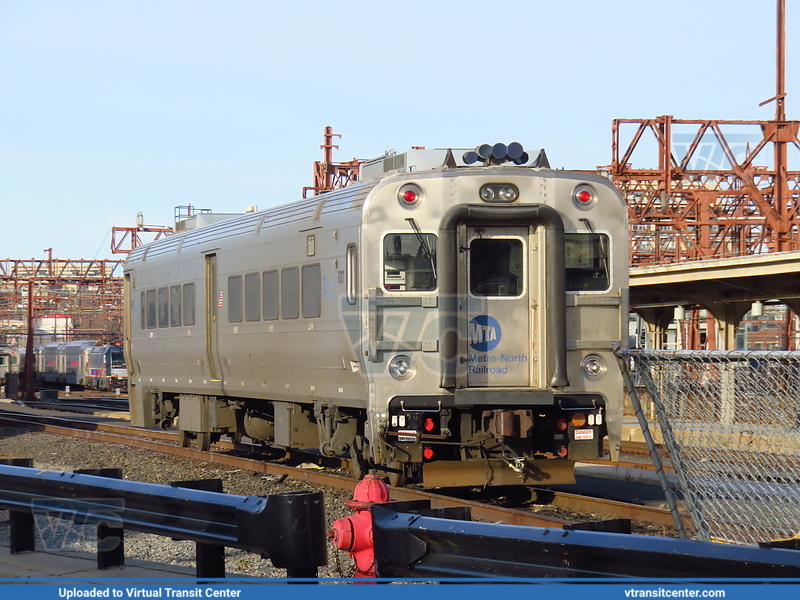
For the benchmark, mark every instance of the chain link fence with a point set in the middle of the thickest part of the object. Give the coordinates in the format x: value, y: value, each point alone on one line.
x: 731, y: 424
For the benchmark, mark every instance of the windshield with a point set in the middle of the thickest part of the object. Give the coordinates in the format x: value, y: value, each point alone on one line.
x: 409, y: 262
x: 117, y: 359
x: 586, y: 262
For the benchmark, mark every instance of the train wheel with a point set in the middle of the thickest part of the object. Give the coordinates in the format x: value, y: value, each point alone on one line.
x: 184, y: 439
x: 204, y: 440
x: 360, y: 457
x: 397, y: 473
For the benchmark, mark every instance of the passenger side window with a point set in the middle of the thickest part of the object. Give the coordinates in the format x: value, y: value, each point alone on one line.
x: 188, y: 304
x: 252, y: 297
x: 163, y: 307
x: 312, y: 291
x: 290, y: 292
x: 142, y: 312
x: 269, y: 295
x: 151, y: 309
x: 235, y: 299
x: 175, y: 306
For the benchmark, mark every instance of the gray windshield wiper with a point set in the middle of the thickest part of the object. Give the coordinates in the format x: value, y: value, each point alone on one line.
x: 423, y: 244
x: 598, y: 247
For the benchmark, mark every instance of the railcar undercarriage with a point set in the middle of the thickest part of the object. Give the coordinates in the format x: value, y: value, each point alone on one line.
x: 420, y: 441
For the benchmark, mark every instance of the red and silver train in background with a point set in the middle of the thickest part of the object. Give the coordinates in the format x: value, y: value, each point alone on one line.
x: 83, y: 363
x: 450, y: 319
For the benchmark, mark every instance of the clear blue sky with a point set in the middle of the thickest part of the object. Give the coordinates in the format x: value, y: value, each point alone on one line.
x: 109, y: 108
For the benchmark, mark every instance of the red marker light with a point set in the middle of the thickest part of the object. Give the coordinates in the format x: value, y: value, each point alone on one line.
x: 410, y: 195
x: 562, y: 452
x: 428, y: 425
x: 584, y: 196
x: 427, y: 452
x: 561, y: 424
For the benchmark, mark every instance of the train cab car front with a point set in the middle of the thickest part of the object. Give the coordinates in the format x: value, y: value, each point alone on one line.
x: 505, y: 288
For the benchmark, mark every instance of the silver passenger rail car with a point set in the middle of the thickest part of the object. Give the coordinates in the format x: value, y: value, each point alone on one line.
x: 85, y: 363
x: 448, y: 320
x: 10, y: 360
x: 62, y: 362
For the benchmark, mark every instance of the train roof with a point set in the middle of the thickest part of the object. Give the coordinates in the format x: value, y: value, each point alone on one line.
x: 417, y: 161
x: 335, y: 201
x: 81, y: 343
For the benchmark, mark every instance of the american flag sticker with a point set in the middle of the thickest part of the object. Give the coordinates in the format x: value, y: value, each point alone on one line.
x: 221, y: 301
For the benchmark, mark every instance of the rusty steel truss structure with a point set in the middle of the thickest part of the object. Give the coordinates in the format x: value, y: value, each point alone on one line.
x: 126, y: 239
x: 329, y: 175
x: 721, y: 188
x: 85, y: 296
x: 695, y: 206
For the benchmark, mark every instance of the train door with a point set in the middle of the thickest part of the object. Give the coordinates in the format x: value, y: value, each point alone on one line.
x: 126, y: 322
x: 213, y: 300
x: 61, y: 364
x: 498, y: 307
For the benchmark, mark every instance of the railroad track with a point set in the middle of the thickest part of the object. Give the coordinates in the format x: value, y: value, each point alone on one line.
x: 230, y: 455
x: 81, y: 405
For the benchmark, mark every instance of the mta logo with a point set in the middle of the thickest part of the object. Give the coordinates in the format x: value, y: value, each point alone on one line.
x: 484, y: 333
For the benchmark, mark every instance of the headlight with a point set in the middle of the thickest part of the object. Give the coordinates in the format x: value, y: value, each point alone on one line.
x: 400, y: 367
x: 499, y: 192
x: 509, y: 193
x: 593, y: 366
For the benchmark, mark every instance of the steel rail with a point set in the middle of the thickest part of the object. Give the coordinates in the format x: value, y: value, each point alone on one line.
x: 627, y: 464
x: 637, y: 448
x: 620, y: 510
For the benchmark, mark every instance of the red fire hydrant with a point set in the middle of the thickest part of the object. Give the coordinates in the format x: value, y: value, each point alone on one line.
x: 354, y: 534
